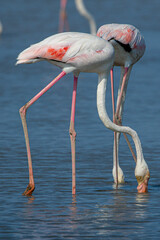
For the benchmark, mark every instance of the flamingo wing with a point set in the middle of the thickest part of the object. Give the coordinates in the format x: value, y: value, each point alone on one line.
x: 70, y: 51
x: 51, y: 48
x: 63, y: 47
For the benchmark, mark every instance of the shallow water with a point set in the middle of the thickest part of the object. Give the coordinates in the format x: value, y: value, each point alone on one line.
x: 98, y: 211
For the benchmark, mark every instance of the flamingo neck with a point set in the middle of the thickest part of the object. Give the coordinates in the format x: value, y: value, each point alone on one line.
x: 101, y: 95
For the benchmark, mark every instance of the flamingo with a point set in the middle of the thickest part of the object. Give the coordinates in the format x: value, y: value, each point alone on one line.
x: 76, y: 52
x: 72, y: 52
x: 129, y: 47
x: 82, y: 10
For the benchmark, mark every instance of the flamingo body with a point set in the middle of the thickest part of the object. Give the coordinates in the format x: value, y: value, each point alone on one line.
x: 77, y: 52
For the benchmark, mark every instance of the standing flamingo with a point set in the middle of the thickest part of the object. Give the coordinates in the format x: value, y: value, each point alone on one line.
x: 129, y: 47
x: 72, y: 52
x: 63, y: 22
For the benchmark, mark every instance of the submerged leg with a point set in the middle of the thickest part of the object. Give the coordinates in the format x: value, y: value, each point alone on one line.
x: 30, y: 188
x: 73, y: 135
x: 115, y: 154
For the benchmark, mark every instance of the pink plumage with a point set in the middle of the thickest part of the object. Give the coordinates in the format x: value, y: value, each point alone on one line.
x: 80, y: 51
x: 127, y: 40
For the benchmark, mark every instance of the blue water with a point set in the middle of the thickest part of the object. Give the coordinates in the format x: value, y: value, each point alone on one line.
x: 98, y: 211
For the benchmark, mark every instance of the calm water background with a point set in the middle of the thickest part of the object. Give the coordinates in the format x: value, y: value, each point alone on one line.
x: 98, y: 211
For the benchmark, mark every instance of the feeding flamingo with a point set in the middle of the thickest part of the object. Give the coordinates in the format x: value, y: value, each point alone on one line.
x: 129, y: 47
x: 63, y: 22
x: 76, y: 52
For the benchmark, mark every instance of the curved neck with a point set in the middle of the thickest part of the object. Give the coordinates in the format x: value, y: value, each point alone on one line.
x: 101, y: 95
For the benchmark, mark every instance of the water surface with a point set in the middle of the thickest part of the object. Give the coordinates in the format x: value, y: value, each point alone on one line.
x: 98, y: 211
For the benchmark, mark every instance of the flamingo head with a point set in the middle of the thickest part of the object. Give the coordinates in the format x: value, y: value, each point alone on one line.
x: 143, y: 182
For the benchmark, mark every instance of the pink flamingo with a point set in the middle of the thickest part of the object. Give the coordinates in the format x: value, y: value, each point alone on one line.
x: 72, y: 52
x: 129, y: 47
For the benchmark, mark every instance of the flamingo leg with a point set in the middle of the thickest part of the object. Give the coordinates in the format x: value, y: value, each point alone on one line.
x: 120, y: 104
x: 73, y: 135
x: 31, y: 186
x: 121, y: 94
x: 115, y: 133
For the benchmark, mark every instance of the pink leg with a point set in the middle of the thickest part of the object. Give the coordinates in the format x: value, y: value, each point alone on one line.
x: 112, y: 91
x: 118, y: 118
x: 121, y: 93
x: 73, y: 135
x: 115, y: 134
x: 30, y: 188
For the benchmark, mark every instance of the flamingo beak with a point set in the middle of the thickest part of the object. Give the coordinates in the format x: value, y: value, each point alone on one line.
x: 143, y: 184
